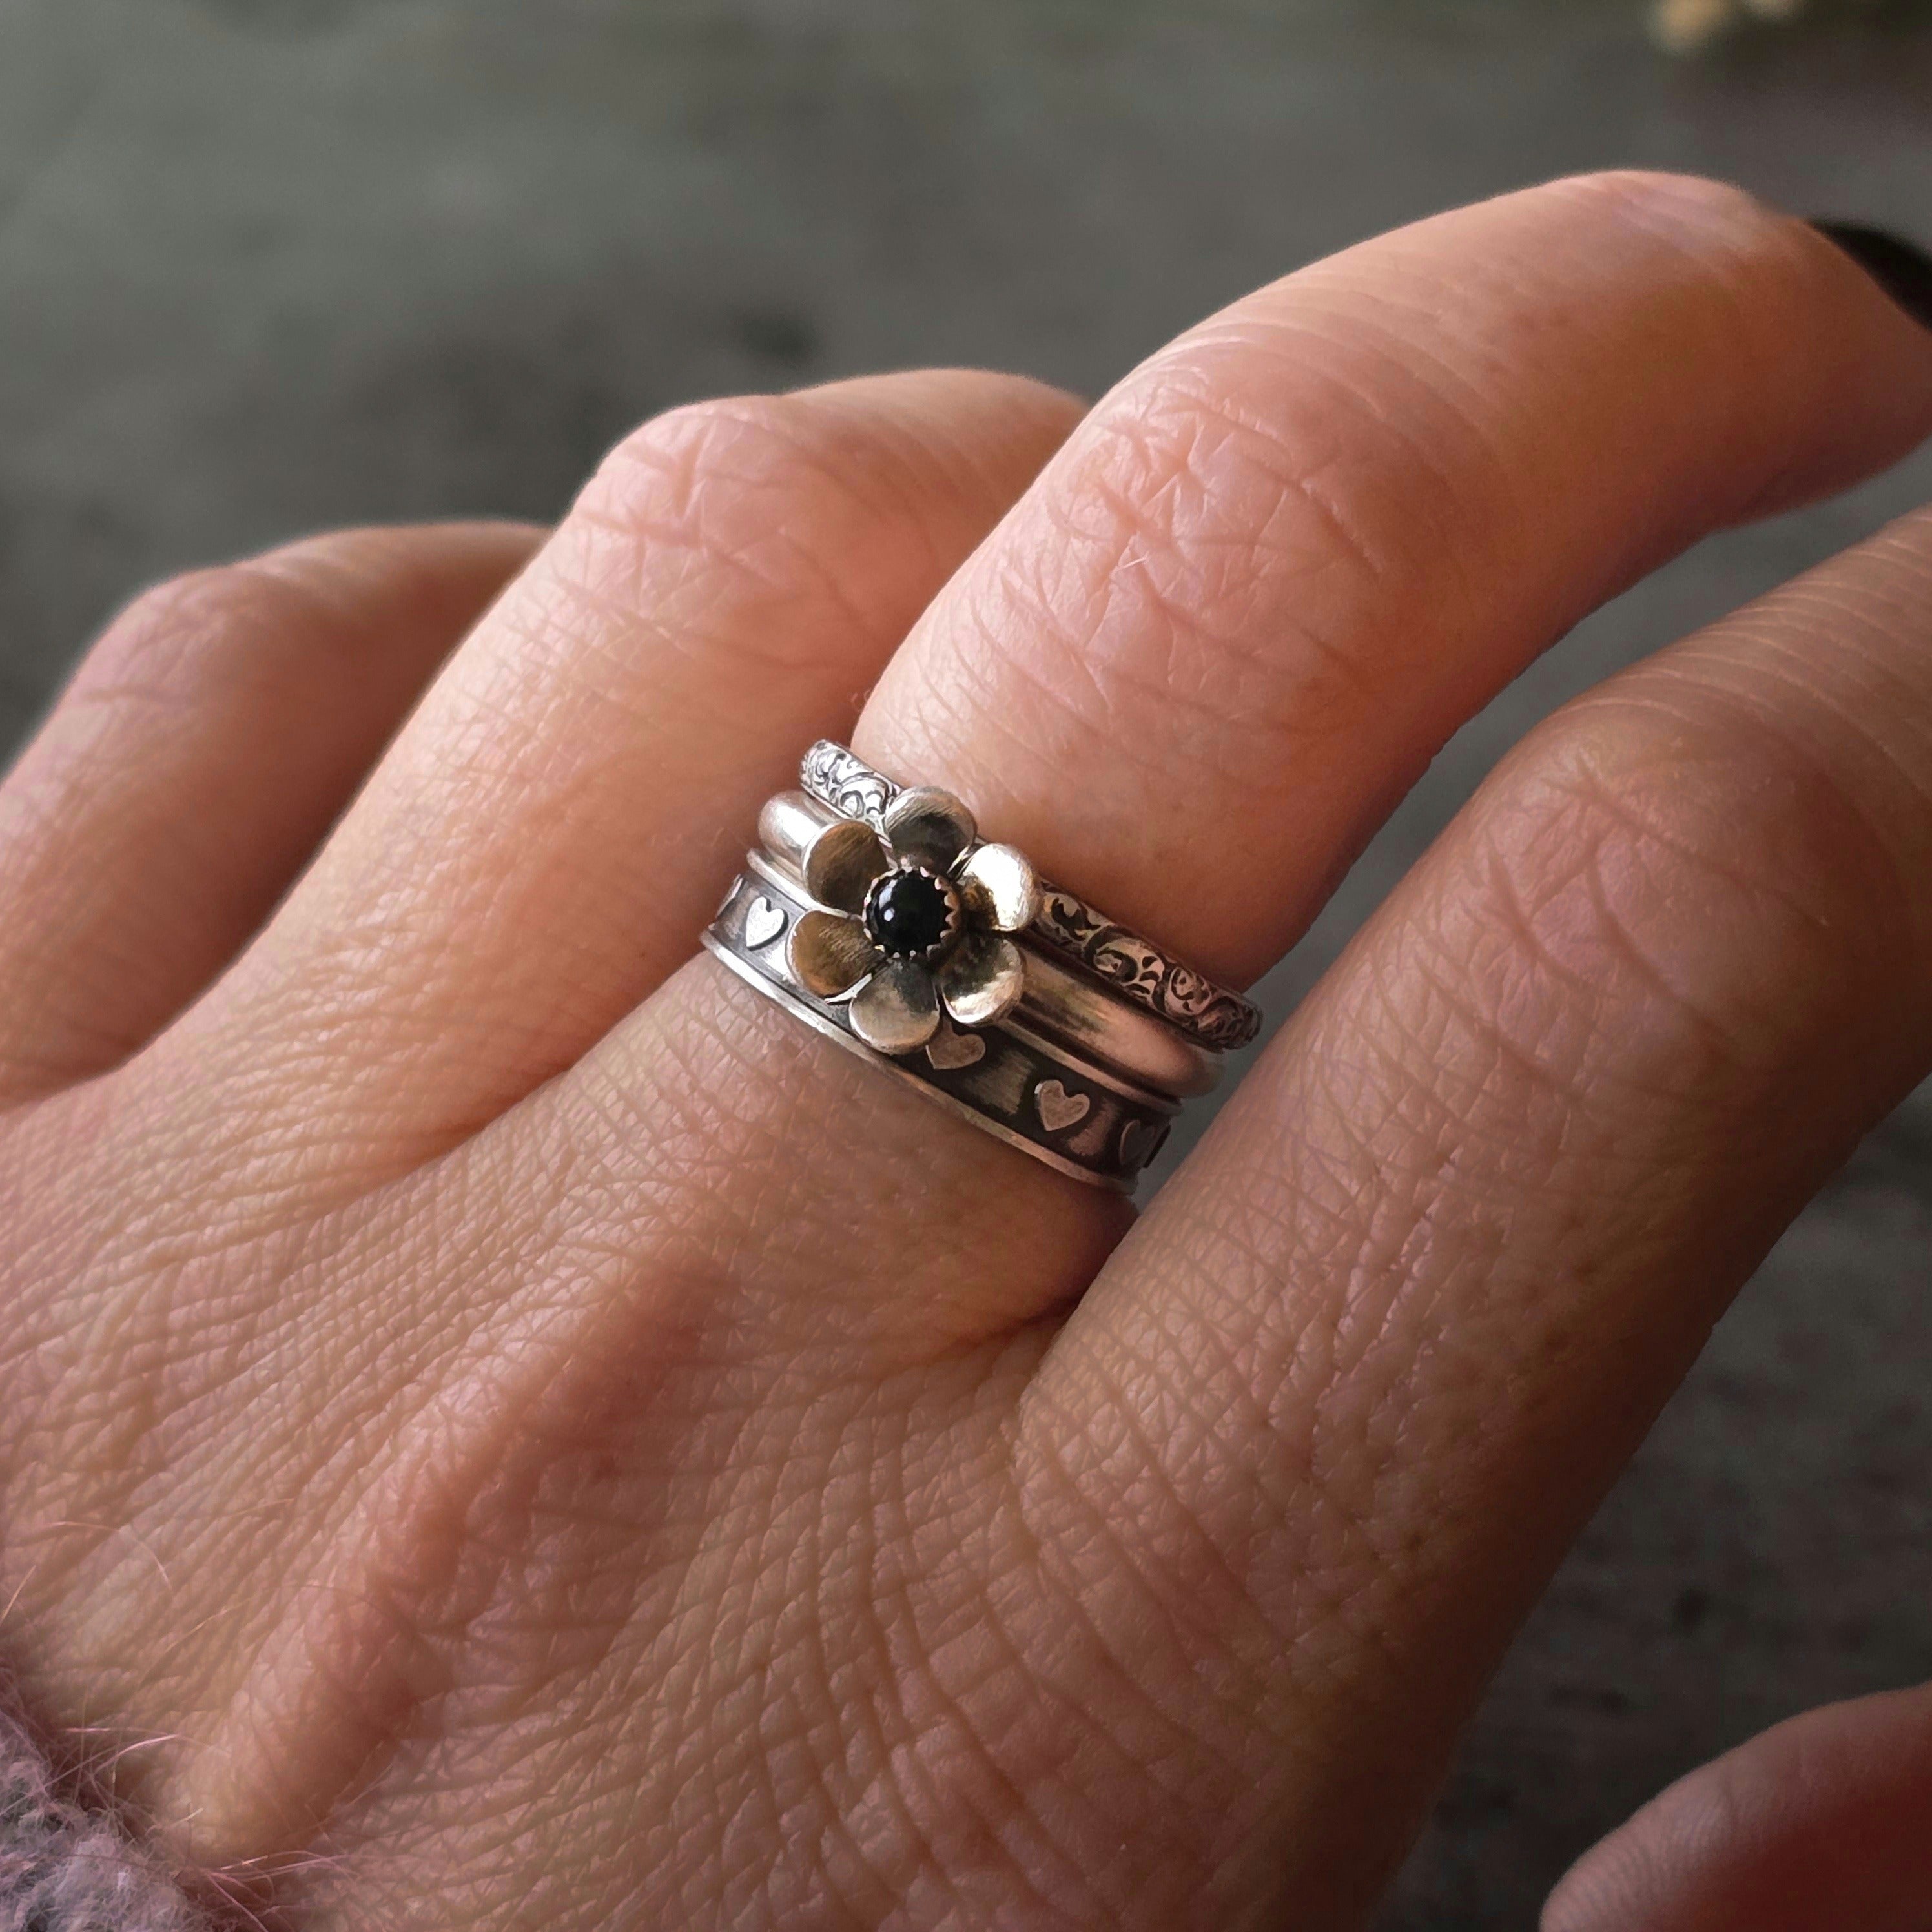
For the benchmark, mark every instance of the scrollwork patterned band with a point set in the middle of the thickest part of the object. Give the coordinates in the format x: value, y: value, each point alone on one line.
x: 1005, y: 1079
x: 1132, y: 966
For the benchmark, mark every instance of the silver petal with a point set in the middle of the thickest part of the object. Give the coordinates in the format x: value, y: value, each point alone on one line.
x: 830, y: 954
x: 841, y: 862
x: 1000, y: 889
x: 982, y: 982
x: 897, y: 1009
x: 929, y: 825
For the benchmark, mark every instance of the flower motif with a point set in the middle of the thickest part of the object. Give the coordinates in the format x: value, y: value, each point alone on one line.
x: 915, y: 922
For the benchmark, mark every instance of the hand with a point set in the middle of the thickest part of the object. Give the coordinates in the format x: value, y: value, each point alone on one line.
x: 501, y: 1427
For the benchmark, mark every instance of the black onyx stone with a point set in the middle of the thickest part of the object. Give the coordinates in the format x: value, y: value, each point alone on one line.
x: 908, y: 914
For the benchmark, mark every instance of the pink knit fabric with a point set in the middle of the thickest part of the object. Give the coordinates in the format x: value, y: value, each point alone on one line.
x: 66, y: 1869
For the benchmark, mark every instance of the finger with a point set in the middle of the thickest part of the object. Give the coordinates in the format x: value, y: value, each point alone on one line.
x: 1289, y: 555
x: 1381, y: 1345
x: 190, y: 769
x: 1601, y: 371
x: 1825, y: 1820
x: 545, y: 841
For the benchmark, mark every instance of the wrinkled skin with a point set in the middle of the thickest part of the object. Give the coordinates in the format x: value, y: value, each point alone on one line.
x: 499, y: 1427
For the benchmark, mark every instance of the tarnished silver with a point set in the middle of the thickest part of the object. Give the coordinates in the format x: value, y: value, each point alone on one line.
x: 1133, y: 967
x: 912, y: 922
x: 1003, y: 1075
x: 1062, y: 1003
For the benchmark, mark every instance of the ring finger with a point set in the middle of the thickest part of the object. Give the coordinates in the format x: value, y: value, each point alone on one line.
x: 1261, y: 584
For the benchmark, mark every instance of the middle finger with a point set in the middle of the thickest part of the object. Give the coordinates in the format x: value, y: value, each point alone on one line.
x: 541, y: 846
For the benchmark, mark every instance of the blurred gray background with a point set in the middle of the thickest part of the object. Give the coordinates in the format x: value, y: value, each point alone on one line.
x: 270, y: 264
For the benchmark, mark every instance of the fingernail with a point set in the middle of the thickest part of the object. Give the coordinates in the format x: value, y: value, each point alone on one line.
x: 1901, y: 268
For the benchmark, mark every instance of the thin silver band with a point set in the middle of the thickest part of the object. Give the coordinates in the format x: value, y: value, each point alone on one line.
x: 1141, y: 1093
x: 1066, y: 1006
x: 1134, y: 968
x: 1007, y: 1080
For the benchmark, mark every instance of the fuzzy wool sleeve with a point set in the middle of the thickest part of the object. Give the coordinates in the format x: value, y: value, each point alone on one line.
x: 65, y: 1869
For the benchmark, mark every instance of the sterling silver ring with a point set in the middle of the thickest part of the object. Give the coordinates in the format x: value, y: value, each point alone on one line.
x: 1059, y: 1000
x: 877, y: 914
x: 1005, y: 1079
x: 1134, y: 968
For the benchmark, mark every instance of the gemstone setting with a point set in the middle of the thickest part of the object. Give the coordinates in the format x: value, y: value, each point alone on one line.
x: 911, y: 913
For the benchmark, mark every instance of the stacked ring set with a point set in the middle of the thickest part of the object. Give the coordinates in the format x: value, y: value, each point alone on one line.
x: 878, y: 915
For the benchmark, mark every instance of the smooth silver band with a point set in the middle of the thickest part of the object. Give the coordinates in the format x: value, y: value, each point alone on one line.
x: 1134, y: 968
x: 1066, y: 1006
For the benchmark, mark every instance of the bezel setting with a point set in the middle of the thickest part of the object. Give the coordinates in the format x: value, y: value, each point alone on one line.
x: 874, y: 915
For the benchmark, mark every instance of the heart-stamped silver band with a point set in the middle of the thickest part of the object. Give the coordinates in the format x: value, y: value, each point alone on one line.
x: 1007, y: 1079
x: 1134, y: 968
x: 1068, y: 1006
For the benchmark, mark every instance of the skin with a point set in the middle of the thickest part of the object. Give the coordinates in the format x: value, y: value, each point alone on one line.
x: 501, y: 1428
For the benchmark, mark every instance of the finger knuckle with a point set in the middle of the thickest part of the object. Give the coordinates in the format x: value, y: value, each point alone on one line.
x: 1676, y: 891
x: 169, y: 628
x: 727, y: 506
x: 1213, y: 567
x: 686, y: 477
x: 746, y: 437
x: 897, y: 451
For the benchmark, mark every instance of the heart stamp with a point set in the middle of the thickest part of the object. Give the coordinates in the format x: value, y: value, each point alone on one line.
x: 952, y: 1049
x: 764, y: 922
x: 1059, y: 1109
